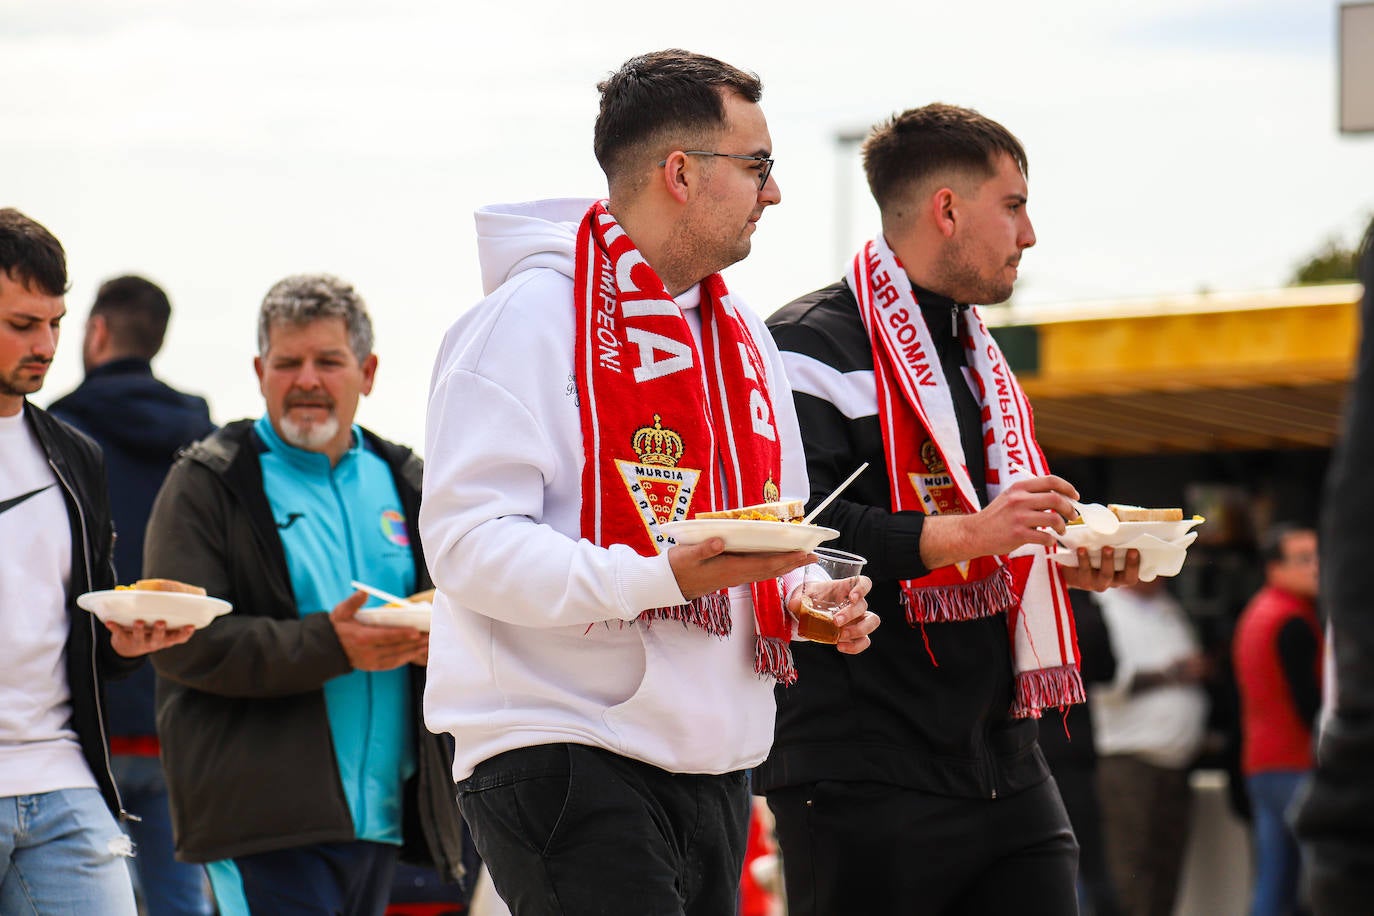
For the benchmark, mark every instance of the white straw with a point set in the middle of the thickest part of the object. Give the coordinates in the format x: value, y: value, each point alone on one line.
x: 836, y: 492
x: 378, y: 593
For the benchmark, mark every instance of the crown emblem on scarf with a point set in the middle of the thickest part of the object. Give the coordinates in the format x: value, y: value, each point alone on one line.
x: 656, y: 445
x: 930, y: 457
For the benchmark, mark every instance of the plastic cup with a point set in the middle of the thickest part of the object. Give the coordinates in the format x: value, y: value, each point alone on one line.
x: 825, y: 591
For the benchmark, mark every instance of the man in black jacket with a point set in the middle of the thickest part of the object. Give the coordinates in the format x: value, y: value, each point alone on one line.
x: 919, y: 759
x: 140, y: 424
x: 296, y: 758
x: 1336, y: 821
x: 60, y: 849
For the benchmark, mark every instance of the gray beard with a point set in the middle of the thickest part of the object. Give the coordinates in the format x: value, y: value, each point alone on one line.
x: 311, y: 438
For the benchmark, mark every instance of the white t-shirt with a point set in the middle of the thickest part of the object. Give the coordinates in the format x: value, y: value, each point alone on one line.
x: 39, y: 751
x: 1164, y: 725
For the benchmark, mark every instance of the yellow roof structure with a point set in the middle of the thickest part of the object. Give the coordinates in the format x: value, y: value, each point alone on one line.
x: 1208, y: 372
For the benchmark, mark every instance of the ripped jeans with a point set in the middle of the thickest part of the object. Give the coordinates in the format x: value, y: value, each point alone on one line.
x: 62, y: 854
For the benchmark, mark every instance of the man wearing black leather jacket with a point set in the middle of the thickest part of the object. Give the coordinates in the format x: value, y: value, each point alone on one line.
x: 60, y: 848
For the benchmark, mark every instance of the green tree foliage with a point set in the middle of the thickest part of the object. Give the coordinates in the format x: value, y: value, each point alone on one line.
x: 1332, y: 263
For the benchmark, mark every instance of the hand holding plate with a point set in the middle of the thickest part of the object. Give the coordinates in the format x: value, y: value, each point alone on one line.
x: 704, y: 568
x: 143, y: 638
x: 375, y: 648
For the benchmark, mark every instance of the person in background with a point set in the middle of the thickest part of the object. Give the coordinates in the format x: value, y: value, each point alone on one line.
x: 919, y: 758
x: 60, y: 846
x: 607, y: 688
x: 140, y: 424
x: 297, y: 764
x: 1276, y: 655
x: 1336, y: 820
x: 1150, y: 722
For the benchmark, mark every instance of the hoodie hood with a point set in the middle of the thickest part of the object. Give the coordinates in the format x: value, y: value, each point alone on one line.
x: 123, y: 404
x: 512, y: 238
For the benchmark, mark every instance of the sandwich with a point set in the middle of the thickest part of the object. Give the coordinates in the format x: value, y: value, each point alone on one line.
x: 162, y: 585
x: 787, y: 510
x: 1140, y: 514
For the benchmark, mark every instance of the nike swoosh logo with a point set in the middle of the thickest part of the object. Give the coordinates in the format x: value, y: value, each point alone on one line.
x: 8, y: 504
x: 291, y: 518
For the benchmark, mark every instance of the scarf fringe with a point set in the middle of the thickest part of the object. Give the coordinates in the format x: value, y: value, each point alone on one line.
x: 773, y: 658
x: 710, y: 612
x: 1041, y: 688
x: 949, y: 603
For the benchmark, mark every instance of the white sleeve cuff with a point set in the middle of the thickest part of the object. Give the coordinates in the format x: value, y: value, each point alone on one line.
x: 645, y: 582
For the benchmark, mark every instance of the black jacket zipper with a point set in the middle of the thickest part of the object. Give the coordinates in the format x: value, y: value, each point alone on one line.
x: 89, y: 561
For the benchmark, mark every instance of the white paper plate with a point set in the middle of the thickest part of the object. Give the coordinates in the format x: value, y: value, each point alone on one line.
x: 749, y: 535
x: 416, y: 614
x: 1157, y: 558
x: 176, y: 609
x: 1076, y: 536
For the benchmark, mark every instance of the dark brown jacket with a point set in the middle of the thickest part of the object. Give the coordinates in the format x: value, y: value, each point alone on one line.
x: 241, y: 713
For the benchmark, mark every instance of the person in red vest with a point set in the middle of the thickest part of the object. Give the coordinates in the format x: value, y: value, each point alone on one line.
x: 1277, y: 655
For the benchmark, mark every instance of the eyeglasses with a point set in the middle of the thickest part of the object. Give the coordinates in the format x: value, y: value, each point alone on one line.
x: 764, y: 172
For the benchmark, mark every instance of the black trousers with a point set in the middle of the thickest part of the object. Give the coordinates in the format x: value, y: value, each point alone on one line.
x: 571, y: 829
x: 872, y: 849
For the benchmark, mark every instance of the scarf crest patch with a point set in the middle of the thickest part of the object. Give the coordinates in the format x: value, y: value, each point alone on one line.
x: 669, y: 427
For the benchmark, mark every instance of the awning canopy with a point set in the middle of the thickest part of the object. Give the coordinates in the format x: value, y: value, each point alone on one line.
x: 1201, y: 373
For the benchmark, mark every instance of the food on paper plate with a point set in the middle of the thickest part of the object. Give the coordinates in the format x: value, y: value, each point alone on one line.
x: 1141, y: 514
x: 161, y: 585
x: 787, y: 510
x: 1138, y: 514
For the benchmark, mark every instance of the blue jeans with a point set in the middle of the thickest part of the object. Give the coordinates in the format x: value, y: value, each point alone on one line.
x: 60, y: 855
x: 168, y: 887
x: 1276, y: 850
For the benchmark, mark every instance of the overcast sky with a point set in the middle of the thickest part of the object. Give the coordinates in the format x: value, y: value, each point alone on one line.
x: 1174, y: 145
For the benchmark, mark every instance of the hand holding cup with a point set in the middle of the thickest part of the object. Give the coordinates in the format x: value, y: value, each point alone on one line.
x: 825, y: 591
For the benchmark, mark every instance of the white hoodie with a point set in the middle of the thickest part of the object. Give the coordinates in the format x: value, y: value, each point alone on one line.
x: 533, y: 639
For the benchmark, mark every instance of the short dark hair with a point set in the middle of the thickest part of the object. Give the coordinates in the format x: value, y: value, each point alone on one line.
x: 923, y: 143
x: 1271, y: 543
x: 30, y: 254
x: 136, y: 312
x: 654, y: 94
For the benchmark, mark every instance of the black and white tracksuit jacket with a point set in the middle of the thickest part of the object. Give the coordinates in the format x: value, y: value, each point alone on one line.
x: 891, y: 714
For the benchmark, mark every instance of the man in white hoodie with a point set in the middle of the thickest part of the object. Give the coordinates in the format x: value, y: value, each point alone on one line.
x: 607, y: 689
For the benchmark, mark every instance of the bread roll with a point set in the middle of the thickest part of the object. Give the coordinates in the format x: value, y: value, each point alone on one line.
x: 1141, y: 514
x: 167, y: 585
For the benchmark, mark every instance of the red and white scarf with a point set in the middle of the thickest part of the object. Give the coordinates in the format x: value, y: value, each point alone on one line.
x: 660, y: 420
x: 927, y: 470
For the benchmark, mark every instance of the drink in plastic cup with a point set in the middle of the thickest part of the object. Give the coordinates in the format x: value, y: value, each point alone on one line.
x: 825, y: 590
